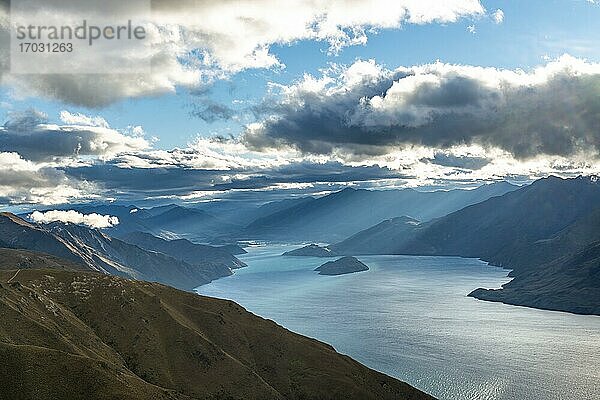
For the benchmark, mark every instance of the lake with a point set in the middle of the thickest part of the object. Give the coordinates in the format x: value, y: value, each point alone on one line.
x: 409, y: 317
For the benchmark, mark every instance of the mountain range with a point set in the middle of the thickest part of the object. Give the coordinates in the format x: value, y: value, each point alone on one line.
x: 186, y: 251
x: 327, y: 219
x: 341, y: 214
x: 76, y: 326
x: 546, y: 232
x: 97, y: 251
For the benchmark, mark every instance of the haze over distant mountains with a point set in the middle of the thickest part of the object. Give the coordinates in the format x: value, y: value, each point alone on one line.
x: 327, y: 218
x: 338, y: 215
x: 168, y: 220
x: 185, y: 250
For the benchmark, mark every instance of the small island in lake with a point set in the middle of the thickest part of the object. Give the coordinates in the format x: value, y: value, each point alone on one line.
x: 312, y: 250
x: 344, y: 265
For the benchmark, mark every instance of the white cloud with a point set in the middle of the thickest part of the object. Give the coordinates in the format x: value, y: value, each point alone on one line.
x: 209, y: 153
x: 471, y: 29
x: 498, y: 16
x: 74, y: 217
x: 26, y: 182
x: 82, y: 120
x: 237, y: 35
x: 194, y: 42
x: 34, y: 153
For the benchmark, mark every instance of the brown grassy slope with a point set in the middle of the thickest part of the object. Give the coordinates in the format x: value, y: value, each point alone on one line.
x: 68, y: 334
x: 25, y: 259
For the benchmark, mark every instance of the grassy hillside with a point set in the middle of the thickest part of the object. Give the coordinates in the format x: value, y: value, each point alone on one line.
x: 25, y: 259
x: 72, y: 335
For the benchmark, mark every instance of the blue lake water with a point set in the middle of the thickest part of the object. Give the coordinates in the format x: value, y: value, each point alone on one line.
x: 409, y: 317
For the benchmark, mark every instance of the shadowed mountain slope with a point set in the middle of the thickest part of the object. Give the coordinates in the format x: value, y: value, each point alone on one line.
x: 569, y: 283
x: 493, y: 229
x: 184, y: 250
x: 530, y: 230
x: 376, y: 240
x: 20, y: 234
x: 99, y: 252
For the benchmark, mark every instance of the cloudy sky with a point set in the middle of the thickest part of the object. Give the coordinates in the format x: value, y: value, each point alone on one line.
x: 256, y: 100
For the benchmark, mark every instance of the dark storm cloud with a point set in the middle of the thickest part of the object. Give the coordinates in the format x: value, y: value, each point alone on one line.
x: 307, y: 172
x: 152, y: 181
x: 554, y: 110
